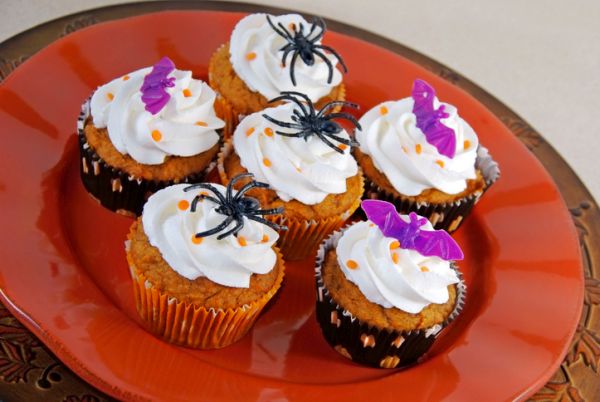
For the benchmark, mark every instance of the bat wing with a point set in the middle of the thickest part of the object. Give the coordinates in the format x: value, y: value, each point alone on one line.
x: 442, y: 138
x: 423, y: 95
x: 155, y: 99
x: 384, y: 215
x: 438, y: 243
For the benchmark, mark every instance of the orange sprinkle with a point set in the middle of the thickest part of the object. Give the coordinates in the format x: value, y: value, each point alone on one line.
x: 183, y: 205
x: 265, y: 238
x: 201, y: 123
x: 394, y: 245
x: 351, y: 264
x: 125, y: 78
x: 467, y: 144
x: 395, y: 258
x: 250, y: 56
x: 269, y: 131
x: 418, y: 149
x: 383, y: 110
x: 187, y: 93
x: 404, y: 149
x: 242, y: 241
x: 110, y: 96
x: 197, y: 240
x: 267, y: 162
x: 292, y: 26
x: 281, y: 65
x: 343, y: 147
x: 249, y: 131
x: 202, y: 193
x: 440, y: 162
x: 156, y: 135
x: 424, y: 269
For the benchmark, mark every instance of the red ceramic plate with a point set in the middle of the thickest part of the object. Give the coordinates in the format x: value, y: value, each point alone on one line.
x: 64, y: 273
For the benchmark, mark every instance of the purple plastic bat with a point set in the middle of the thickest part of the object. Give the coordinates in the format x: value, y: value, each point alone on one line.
x: 427, y: 242
x: 428, y: 119
x: 154, y: 95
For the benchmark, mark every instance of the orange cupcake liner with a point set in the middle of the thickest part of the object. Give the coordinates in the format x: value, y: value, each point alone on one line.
x: 302, y: 236
x: 194, y: 326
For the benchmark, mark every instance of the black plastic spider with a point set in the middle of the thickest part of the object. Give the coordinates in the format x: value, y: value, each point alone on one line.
x: 309, y: 121
x: 304, y: 46
x: 235, y: 207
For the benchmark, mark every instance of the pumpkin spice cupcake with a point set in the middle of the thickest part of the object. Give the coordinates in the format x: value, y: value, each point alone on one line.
x: 144, y: 131
x: 292, y: 148
x: 270, y: 54
x: 422, y: 156
x: 203, y: 263
x: 387, y: 287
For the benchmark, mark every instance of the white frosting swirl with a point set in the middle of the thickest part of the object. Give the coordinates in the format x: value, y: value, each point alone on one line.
x: 400, y: 150
x: 184, y: 127
x: 263, y: 71
x: 230, y: 261
x: 409, y: 281
x: 307, y: 171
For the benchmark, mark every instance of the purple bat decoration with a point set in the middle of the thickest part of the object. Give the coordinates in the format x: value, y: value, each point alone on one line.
x: 154, y: 95
x: 427, y: 242
x: 428, y: 119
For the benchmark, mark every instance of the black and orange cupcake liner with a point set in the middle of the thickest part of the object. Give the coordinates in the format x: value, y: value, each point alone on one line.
x: 113, y: 188
x: 370, y: 345
x: 446, y: 216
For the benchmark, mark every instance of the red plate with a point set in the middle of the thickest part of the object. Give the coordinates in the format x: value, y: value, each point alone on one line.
x: 64, y: 272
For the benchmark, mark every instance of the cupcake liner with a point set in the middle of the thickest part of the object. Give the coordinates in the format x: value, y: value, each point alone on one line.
x: 225, y: 112
x: 447, y: 216
x: 193, y: 326
x: 370, y: 345
x: 113, y: 188
x: 302, y: 237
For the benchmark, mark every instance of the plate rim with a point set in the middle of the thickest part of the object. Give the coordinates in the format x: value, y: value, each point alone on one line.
x: 359, y: 33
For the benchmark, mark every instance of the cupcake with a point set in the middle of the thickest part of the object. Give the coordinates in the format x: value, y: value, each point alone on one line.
x: 421, y: 155
x: 304, y: 155
x: 144, y: 131
x: 203, y: 263
x: 387, y: 287
x: 271, y: 54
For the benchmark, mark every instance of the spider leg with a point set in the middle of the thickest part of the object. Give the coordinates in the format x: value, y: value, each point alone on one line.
x: 329, y: 143
x: 317, y: 22
x: 270, y: 224
x: 343, y: 116
x: 285, y: 53
x: 328, y: 62
x: 281, y: 123
x: 293, y: 67
x: 336, y: 103
x: 208, y: 187
x: 295, y: 135
x: 239, y: 224
x: 333, y: 52
x: 232, y: 183
x: 202, y: 197
x: 279, y: 32
x: 349, y: 142
x: 288, y: 96
x: 216, y: 229
x: 288, y: 35
x: 249, y: 186
x: 272, y: 211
